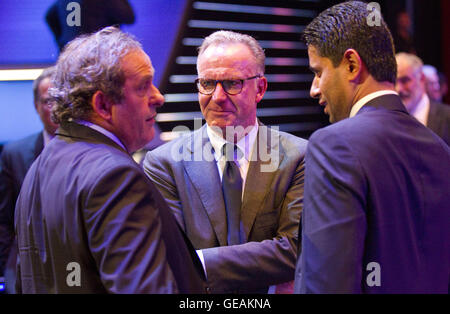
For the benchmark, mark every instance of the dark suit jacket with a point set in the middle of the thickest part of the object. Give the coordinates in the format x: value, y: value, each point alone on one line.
x: 15, y: 161
x: 439, y: 120
x: 376, y: 190
x: 85, y: 201
x: 270, y: 210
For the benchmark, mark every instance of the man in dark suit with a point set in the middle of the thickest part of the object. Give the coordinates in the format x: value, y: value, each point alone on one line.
x: 411, y: 86
x: 376, y: 208
x: 15, y: 161
x: 87, y: 218
x: 193, y: 173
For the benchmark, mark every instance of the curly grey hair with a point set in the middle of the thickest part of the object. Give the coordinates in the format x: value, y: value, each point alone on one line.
x: 229, y: 37
x: 88, y: 64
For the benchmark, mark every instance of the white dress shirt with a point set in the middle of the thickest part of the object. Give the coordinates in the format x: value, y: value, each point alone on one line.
x: 245, y: 144
x: 421, y: 111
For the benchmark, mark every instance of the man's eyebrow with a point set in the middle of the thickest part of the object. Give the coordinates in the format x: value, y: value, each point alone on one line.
x: 147, y: 77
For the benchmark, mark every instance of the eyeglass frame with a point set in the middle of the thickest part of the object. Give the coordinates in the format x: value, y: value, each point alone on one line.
x: 221, y: 83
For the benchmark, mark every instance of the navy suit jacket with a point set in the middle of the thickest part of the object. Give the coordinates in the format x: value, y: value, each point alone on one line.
x: 85, y: 201
x: 376, y: 191
x: 15, y: 161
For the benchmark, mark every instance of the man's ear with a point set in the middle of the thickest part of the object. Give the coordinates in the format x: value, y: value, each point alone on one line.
x: 262, y: 87
x: 102, y: 105
x: 353, y: 64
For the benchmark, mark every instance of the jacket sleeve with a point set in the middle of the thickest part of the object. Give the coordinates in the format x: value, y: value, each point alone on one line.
x: 123, y: 228
x: 257, y: 265
x: 333, y: 220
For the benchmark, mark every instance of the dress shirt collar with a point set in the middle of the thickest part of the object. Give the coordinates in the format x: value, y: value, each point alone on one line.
x: 245, y: 144
x: 105, y: 132
x: 360, y: 103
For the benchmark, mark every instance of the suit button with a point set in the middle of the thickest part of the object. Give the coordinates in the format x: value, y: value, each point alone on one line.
x: 208, y: 290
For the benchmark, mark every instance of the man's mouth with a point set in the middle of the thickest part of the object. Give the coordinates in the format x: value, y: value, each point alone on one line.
x: 324, y: 104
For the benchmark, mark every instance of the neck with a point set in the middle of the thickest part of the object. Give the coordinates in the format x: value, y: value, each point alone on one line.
x: 233, y: 134
x: 369, y: 86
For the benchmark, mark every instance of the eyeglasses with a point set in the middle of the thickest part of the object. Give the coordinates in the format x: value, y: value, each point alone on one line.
x: 231, y: 87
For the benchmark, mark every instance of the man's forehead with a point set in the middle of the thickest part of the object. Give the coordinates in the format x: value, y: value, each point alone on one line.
x: 314, y: 57
x: 137, y: 62
x: 227, y: 57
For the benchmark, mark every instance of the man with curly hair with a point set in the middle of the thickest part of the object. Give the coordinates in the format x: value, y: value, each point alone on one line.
x: 87, y: 218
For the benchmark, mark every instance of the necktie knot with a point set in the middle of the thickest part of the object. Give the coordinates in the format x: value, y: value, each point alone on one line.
x: 231, y: 152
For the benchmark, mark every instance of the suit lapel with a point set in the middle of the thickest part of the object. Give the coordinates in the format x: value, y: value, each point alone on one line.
x: 260, y: 175
x: 205, y: 178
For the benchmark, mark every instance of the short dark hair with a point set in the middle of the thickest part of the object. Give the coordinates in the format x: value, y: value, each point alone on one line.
x: 345, y: 26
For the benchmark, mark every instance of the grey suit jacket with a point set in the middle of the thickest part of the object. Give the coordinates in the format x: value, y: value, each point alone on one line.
x: 85, y: 202
x: 15, y: 161
x: 270, y: 212
x: 439, y: 120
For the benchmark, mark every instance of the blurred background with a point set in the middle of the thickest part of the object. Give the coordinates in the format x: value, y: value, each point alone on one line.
x: 170, y: 31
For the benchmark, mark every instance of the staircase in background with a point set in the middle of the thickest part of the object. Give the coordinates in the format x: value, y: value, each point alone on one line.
x: 277, y: 26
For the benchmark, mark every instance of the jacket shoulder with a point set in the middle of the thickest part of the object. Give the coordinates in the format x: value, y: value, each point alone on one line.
x: 19, y: 146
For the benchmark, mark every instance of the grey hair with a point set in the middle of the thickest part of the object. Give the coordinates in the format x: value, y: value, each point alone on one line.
x: 229, y: 37
x: 47, y: 73
x: 413, y: 61
x: 88, y: 64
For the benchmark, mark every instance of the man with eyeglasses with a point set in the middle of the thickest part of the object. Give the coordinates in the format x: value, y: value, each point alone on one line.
x: 15, y: 160
x: 234, y: 185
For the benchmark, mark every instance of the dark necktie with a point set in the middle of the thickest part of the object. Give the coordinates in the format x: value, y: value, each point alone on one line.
x: 232, y: 193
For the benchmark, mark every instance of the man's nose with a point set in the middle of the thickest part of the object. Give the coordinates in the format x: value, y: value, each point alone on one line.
x: 219, y: 93
x: 157, y: 99
x: 314, y: 92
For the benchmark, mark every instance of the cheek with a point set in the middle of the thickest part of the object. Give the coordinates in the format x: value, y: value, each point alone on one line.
x: 203, y: 100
